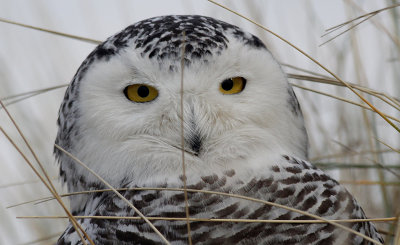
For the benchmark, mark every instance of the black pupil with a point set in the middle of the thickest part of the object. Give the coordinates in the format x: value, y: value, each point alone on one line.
x: 143, y: 91
x: 227, y: 84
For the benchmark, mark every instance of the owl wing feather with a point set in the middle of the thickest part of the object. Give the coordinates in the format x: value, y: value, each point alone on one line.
x: 291, y: 182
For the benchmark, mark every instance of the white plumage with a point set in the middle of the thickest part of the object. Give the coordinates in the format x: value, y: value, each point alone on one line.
x: 249, y: 142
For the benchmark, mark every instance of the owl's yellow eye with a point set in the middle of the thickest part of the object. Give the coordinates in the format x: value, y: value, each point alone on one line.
x: 140, y: 93
x: 232, y: 85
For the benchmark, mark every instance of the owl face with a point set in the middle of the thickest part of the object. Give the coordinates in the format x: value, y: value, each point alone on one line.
x: 127, y: 111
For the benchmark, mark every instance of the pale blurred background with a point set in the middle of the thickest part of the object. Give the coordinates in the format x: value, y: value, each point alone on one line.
x: 367, y: 55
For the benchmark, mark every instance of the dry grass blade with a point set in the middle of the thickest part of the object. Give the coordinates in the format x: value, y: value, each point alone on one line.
x: 115, y: 191
x: 183, y: 141
x: 319, y: 78
x: 392, y: 101
x: 28, y: 182
x: 48, y: 184
x: 384, y: 232
x: 73, y: 220
x: 34, y: 92
x: 343, y: 99
x: 12, y: 99
x: 397, y: 237
x: 84, y: 39
x: 29, y: 146
x: 313, y: 60
x: 304, y: 70
x: 387, y: 145
x: 362, y: 16
x: 379, y: 26
x: 324, y: 80
x: 27, y: 202
x: 281, y: 221
x: 343, y: 32
x: 389, y: 102
x: 375, y: 161
x: 368, y: 182
x: 344, y: 165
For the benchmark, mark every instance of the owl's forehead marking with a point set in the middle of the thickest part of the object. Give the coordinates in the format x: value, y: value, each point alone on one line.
x: 161, y: 38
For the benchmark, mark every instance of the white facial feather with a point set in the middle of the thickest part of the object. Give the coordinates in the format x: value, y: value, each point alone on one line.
x: 121, y: 138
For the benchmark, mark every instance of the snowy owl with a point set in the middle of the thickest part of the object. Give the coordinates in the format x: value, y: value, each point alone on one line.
x: 243, y: 133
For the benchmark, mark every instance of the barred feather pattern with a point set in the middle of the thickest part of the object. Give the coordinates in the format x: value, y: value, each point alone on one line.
x: 291, y: 182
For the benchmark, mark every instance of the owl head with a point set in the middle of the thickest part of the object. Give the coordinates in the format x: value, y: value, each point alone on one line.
x: 124, y: 110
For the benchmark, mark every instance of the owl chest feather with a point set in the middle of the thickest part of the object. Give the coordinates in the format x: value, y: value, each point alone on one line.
x: 295, y: 184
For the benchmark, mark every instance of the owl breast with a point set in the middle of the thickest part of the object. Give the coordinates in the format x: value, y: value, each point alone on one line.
x: 291, y: 182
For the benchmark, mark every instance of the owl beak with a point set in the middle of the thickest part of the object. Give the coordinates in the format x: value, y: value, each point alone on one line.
x: 193, y: 138
x: 195, y: 143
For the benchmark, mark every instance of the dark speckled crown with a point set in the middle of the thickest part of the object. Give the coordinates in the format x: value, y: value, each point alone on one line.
x: 161, y: 37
